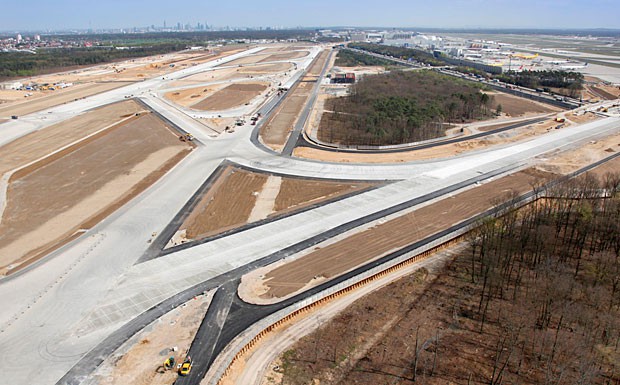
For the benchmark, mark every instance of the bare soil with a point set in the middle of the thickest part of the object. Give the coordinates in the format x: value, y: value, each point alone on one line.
x: 55, y: 98
x: 426, y: 328
x: 285, y: 56
x: 190, y: 96
x: 441, y: 151
x: 334, y: 259
x: 263, y: 58
x: 40, y: 143
x: 604, y: 93
x: 139, y: 361
x: 516, y: 106
x: 232, y: 198
x: 250, y: 59
x: 277, y: 129
x: 589, y: 153
x: 232, y: 96
x: 245, y: 72
x: 226, y: 205
x: 301, y: 192
x: 50, y: 200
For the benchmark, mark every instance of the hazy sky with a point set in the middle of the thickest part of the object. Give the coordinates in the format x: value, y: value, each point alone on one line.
x: 64, y: 14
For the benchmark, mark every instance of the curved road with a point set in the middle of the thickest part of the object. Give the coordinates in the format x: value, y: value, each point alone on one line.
x: 85, y: 292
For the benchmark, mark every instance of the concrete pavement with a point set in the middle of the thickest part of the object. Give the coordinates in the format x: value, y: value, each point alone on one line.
x: 54, y: 314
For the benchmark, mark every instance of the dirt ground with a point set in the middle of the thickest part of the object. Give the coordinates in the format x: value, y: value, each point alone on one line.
x: 300, y: 192
x: 281, y: 280
x: 90, y: 179
x: 613, y: 166
x: 188, y: 97
x: 443, y: 151
x: 277, y: 129
x: 247, y: 72
x: 139, y: 360
x: 516, y: 106
x: 285, y: 56
x: 231, y: 96
x: 263, y: 58
x: 226, y: 205
x: 233, y: 198
x: 263, y: 364
x: 40, y: 143
x: 373, y: 340
x: 138, y: 69
x: 604, y: 93
x: 589, y: 153
x: 54, y: 98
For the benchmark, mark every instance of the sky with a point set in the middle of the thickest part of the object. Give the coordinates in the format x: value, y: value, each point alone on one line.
x: 83, y: 14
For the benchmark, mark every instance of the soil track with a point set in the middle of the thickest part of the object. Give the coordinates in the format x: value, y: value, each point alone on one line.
x: 232, y: 96
x: 58, y: 98
x: 323, y: 263
x: 37, y: 144
x: 233, y: 73
x: 264, y: 58
x: 189, y: 96
x: 285, y: 56
x: 277, y: 129
x: 516, y: 106
x: 231, y: 199
x: 49, y: 201
x: 227, y: 204
x: 300, y: 192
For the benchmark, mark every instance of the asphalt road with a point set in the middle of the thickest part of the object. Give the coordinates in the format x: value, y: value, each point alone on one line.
x: 440, y: 142
x: 75, y: 307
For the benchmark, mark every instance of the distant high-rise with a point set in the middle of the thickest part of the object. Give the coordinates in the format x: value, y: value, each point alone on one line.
x: 19, y: 38
x: 164, y: 24
x: 37, y: 37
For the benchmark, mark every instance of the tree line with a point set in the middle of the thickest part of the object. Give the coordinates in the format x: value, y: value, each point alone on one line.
x: 548, y: 278
x: 572, y: 81
x: 348, y: 58
x: 401, y: 107
x: 400, y: 53
x: 18, y: 64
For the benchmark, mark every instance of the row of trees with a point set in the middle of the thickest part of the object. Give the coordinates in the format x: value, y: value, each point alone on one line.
x: 572, y: 81
x: 400, y: 53
x: 347, y: 58
x: 401, y: 107
x: 548, y: 278
x: 14, y: 64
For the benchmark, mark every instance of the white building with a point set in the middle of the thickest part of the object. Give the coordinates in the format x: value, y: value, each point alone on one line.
x: 19, y: 38
x: 11, y: 85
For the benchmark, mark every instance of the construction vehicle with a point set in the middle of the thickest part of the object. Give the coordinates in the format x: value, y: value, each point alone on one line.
x: 186, y: 138
x: 560, y: 120
x: 169, y: 363
x: 186, y: 367
x: 14, y: 117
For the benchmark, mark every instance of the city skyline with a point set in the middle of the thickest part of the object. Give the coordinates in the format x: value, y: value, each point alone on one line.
x: 115, y: 14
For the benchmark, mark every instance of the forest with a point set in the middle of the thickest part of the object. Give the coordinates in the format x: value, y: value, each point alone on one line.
x: 46, y: 60
x: 532, y: 296
x: 399, y: 52
x: 348, y: 58
x: 401, y: 107
x: 572, y: 81
x: 17, y: 64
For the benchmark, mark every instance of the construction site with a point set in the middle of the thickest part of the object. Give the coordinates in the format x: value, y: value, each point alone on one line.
x: 188, y: 219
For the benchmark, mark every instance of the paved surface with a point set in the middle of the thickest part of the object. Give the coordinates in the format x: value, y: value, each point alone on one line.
x: 91, y: 294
